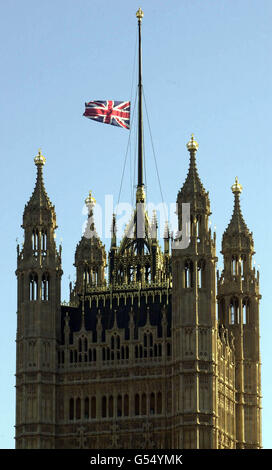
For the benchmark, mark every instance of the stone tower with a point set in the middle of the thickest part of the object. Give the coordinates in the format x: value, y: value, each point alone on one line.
x: 238, y: 307
x: 194, y: 318
x: 142, y: 357
x: 38, y: 323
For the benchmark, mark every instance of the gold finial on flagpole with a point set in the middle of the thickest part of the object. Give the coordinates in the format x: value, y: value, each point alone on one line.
x: 140, y: 14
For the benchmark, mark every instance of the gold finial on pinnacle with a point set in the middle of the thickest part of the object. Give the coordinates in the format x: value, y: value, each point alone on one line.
x: 237, y: 188
x: 192, y: 144
x: 90, y: 200
x: 140, y: 14
x: 39, y: 159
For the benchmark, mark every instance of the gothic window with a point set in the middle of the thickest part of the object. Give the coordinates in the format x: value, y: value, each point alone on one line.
x: 159, y: 403
x: 86, y: 408
x: 94, y: 355
x: 155, y: 350
x: 234, y: 311
x: 137, y: 404
x: 35, y: 240
x: 168, y: 349
x: 200, y: 273
x: 119, y: 405
x: 104, y: 407
x: 126, y: 405
x: 245, y: 311
x: 136, y: 352
x: 127, y: 352
x: 143, y: 404
x: 33, y: 286
x: 188, y: 272
x: 79, y: 345
x: 93, y: 408
x: 111, y: 406
x: 44, y: 241
x: 243, y: 263
x: 160, y: 350
x: 152, y: 404
x: 45, y: 287
x: 234, y: 265
x: 198, y: 225
x: 78, y: 408
x: 150, y: 340
x: 71, y: 409
x: 147, y: 273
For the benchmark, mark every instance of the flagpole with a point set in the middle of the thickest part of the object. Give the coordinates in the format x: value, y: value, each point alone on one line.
x: 140, y: 185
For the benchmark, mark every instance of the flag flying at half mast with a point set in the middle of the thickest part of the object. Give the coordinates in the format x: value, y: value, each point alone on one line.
x: 116, y: 113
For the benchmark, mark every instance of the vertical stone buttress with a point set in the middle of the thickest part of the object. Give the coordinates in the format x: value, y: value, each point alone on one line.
x: 238, y: 307
x: 194, y: 319
x: 38, y: 321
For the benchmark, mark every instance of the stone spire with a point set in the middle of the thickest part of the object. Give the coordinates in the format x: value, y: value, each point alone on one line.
x: 39, y: 204
x: 193, y: 186
x: 237, y: 234
x: 90, y: 255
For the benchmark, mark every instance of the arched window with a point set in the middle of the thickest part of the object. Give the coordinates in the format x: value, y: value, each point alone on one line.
x: 33, y: 286
x: 143, y: 404
x: 198, y: 226
x: 78, y: 408
x: 126, y: 405
x: 79, y: 345
x: 104, y: 407
x: 71, y: 409
x: 234, y: 311
x: 152, y: 403
x: 93, y: 408
x: 86, y: 408
x: 159, y: 403
x: 245, y: 311
x: 145, y: 340
x: 111, y: 406
x: 200, y: 274
x: 35, y: 240
x: 44, y: 241
x: 45, y: 287
x: 168, y: 349
x: 234, y: 265
x: 119, y: 405
x: 137, y: 404
x: 188, y: 273
x: 243, y: 264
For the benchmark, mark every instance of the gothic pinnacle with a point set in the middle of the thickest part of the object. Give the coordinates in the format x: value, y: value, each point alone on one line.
x: 39, y: 159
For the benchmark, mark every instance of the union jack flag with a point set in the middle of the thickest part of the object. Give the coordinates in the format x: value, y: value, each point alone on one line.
x: 116, y: 113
